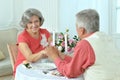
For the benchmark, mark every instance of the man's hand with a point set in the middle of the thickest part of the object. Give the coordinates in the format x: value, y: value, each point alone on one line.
x: 61, y: 55
x: 52, y: 52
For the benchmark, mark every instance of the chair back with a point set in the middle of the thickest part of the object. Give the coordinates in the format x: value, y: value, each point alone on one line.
x: 13, y: 50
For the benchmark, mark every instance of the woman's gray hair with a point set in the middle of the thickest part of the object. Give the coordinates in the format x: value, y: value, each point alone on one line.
x: 28, y: 14
x: 89, y: 19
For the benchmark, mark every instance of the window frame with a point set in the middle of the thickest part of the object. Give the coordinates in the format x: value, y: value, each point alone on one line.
x: 113, y: 17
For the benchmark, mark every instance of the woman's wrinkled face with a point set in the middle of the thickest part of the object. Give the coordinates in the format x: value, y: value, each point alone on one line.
x: 34, y: 24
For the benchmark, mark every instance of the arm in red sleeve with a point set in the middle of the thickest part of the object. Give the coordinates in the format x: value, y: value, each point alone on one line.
x: 82, y: 59
x: 67, y: 58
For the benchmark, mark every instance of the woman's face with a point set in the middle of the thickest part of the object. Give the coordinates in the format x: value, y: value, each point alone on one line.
x: 34, y: 24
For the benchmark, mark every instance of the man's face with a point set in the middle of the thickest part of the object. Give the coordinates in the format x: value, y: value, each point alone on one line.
x: 80, y: 31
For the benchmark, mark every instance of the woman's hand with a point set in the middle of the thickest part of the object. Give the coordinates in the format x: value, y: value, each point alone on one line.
x: 52, y: 52
x: 43, y: 54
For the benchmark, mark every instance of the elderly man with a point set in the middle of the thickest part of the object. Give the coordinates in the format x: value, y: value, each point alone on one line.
x: 95, y: 55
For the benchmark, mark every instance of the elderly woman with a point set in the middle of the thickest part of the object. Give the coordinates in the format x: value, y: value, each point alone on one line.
x: 33, y: 39
x: 95, y: 55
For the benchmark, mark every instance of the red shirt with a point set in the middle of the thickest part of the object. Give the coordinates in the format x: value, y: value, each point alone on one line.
x: 33, y: 43
x: 83, y: 58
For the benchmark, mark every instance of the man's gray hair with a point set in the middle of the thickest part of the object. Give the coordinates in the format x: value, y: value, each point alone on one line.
x: 28, y: 14
x: 89, y: 19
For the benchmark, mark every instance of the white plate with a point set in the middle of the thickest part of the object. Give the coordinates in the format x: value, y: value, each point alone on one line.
x: 43, y: 66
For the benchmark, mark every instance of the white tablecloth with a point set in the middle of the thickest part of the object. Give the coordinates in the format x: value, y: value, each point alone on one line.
x: 23, y: 73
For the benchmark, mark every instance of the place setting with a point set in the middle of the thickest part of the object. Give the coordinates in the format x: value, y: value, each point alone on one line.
x: 47, y: 68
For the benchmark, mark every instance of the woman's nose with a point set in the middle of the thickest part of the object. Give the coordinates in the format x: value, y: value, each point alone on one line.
x: 33, y: 24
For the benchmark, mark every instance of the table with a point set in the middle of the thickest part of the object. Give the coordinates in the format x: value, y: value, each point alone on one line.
x: 23, y: 73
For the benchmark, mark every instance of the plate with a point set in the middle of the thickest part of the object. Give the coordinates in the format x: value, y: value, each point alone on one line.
x: 43, y: 66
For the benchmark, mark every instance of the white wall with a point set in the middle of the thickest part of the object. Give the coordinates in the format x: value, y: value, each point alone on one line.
x: 6, y: 12
x: 68, y: 9
x: 12, y: 10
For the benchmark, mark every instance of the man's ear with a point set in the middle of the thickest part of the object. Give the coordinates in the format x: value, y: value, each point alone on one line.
x: 83, y: 31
